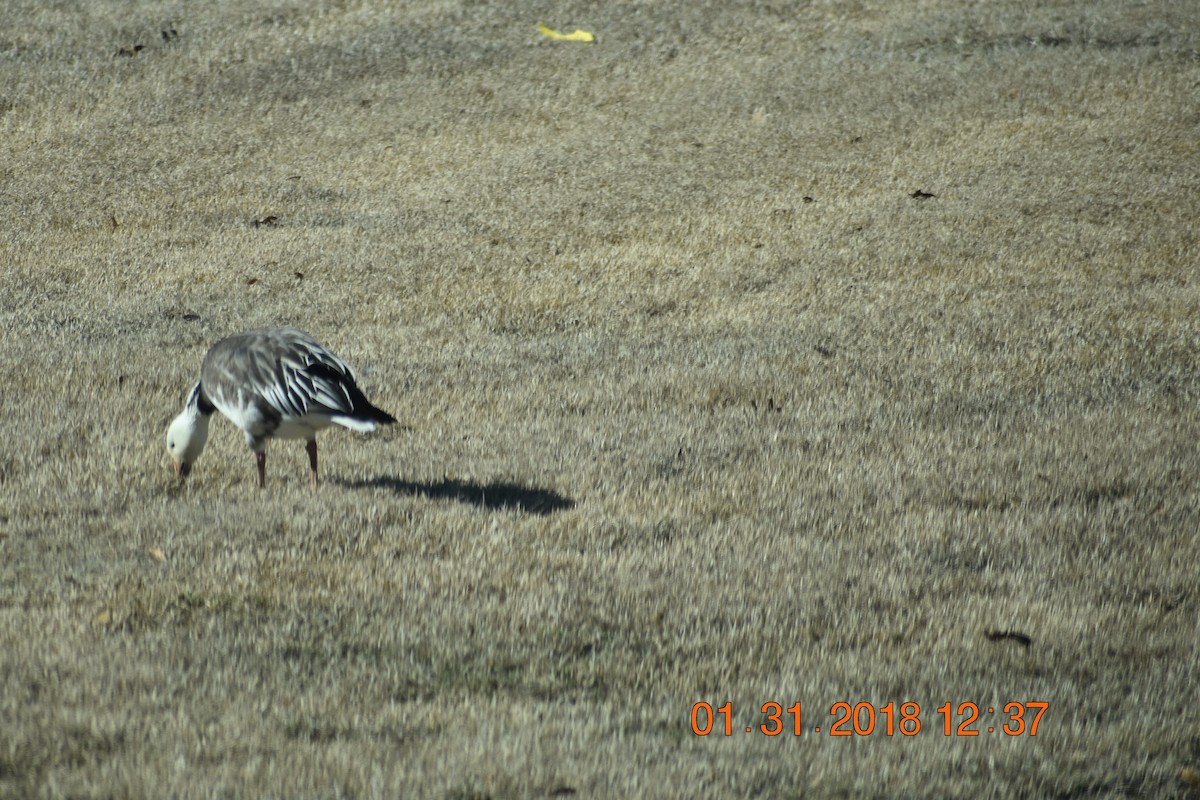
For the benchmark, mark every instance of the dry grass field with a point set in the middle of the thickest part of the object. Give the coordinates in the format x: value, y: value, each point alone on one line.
x: 701, y: 397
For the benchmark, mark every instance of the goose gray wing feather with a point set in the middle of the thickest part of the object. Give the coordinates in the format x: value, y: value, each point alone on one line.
x: 284, y: 369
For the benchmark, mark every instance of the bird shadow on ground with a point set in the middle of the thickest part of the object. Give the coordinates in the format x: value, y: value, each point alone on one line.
x: 494, y: 496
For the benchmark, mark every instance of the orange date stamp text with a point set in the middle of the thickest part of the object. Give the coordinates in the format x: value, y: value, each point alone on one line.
x: 868, y: 719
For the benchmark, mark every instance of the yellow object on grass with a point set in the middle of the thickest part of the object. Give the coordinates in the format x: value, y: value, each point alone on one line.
x: 577, y: 36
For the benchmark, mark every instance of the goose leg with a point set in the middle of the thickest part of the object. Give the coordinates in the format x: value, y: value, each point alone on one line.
x: 260, y: 460
x: 311, y: 447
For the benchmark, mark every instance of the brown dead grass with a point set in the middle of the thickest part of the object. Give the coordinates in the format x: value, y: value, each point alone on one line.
x: 698, y: 402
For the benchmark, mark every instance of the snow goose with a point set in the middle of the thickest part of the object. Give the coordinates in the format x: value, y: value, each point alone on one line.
x: 276, y: 382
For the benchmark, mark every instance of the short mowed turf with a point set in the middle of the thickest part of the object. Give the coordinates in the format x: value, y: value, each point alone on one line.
x: 757, y: 353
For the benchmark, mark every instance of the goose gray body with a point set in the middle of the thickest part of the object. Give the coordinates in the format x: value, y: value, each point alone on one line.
x: 271, y: 383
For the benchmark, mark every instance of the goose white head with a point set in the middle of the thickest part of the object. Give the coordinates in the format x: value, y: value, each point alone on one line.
x: 186, y: 437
